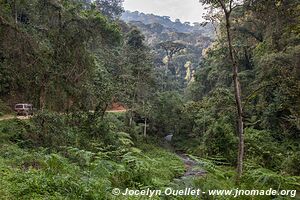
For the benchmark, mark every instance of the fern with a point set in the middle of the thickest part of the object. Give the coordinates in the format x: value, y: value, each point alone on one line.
x: 267, y: 178
x: 124, y: 139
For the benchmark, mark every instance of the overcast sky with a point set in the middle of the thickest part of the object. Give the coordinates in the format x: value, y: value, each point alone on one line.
x: 185, y: 10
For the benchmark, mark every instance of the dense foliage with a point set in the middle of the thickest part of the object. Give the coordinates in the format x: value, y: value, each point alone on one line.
x: 159, y: 31
x: 267, y: 53
x: 55, y: 157
x: 73, y: 59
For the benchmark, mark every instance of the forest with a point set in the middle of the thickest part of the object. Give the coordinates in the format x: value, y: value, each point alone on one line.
x: 212, y: 106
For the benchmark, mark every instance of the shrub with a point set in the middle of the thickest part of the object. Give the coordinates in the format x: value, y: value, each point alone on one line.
x: 49, y: 129
x: 4, y: 108
x: 264, y: 179
x: 13, y: 130
x: 291, y: 164
x: 262, y: 148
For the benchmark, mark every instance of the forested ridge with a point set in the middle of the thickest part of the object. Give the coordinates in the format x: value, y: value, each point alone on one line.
x: 227, y: 97
x: 165, y: 22
x: 176, y: 45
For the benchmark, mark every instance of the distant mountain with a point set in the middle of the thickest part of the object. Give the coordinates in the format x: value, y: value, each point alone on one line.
x: 177, y: 26
x: 159, y: 29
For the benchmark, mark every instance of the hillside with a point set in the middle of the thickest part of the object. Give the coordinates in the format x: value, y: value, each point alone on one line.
x: 160, y: 29
x: 142, y: 109
x: 176, y: 26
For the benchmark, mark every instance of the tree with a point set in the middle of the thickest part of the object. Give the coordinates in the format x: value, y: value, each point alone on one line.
x: 162, y: 105
x: 47, y: 52
x: 138, y: 73
x: 171, y: 48
x: 110, y: 8
x: 177, y: 21
x: 103, y: 90
x: 227, y: 7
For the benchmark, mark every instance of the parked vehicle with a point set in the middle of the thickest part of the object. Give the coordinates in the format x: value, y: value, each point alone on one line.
x: 24, y: 109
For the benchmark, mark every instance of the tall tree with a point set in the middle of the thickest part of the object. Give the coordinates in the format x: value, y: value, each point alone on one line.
x: 227, y: 7
x: 138, y: 63
x: 171, y: 48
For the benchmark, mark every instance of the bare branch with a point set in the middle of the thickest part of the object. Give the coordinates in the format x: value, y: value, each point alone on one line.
x: 221, y: 2
x: 230, y: 5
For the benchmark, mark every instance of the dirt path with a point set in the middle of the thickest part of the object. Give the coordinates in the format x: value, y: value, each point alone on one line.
x: 116, y: 111
x: 8, y: 117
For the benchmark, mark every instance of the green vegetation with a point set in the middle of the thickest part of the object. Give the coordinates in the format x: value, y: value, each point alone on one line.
x: 236, y: 116
x: 4, y: 109
x: 56, y: 161
x: 178, y: 46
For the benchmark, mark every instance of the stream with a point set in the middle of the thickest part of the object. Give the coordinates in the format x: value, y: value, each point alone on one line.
x: 192, y: 167
x: 192, y: 171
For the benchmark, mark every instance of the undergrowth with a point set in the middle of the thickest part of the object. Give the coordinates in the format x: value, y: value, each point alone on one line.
x: 34, y: 167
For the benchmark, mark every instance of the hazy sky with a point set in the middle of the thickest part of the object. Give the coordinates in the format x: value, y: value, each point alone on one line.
x: 185, y: 10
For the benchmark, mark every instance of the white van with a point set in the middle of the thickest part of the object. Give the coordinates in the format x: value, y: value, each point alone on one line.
x: 24, y: 109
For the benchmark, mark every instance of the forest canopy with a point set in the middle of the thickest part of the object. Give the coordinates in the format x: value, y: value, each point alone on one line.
x: 131, y: 100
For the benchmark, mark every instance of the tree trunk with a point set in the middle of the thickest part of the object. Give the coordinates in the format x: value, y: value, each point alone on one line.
x: 130, y: 118
x: 145, y: 128
x: 69, y: 104
x: 15, y: 14
x: 237, y: 92
x: 43, y: 93
x: 104, y: 111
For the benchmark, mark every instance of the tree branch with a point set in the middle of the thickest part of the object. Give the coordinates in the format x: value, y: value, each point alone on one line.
x: 221, y: 2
